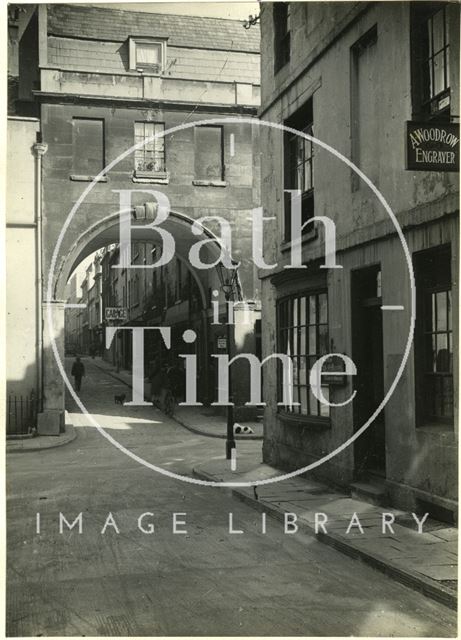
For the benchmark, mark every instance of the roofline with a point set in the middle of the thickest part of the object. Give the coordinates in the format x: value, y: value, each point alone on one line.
x: 141, y: 13
x: 256, y: 52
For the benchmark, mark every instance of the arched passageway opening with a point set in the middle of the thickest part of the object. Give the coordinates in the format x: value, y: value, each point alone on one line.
x: 176, y: 295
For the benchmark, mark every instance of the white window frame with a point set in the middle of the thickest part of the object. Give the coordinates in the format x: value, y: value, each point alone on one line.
x: 148, y: 69
x: 140, y: 175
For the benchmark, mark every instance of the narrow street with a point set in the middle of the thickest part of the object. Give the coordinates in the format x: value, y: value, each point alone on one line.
x: 203, y: 582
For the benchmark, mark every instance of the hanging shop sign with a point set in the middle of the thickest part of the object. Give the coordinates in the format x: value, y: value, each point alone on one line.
x: 116, y: 313
x: 432, y: 147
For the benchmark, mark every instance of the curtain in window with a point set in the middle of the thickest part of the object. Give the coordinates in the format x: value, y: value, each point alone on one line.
x: 148, y: 54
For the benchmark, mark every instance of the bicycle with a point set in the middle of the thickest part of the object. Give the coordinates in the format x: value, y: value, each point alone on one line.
x: 166, y: 400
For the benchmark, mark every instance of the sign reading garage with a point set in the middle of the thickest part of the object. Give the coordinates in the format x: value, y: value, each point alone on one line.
x: 432, y: 147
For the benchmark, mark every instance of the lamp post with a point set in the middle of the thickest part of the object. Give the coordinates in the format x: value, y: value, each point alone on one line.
x: 228, y: 279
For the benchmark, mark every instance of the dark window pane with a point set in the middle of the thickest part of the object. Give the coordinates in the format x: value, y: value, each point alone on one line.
x: 302, y: 341
x: 433, y: 317
x: 303, y: 378
x: 88, y: 146
x: 437, y: 30
x: 312, y: 340
x: 442, y: 359
x: 312, y: 310
x: 323, y: 340
x: 296, y: 398
x: 324, y: 408
x: 302, y: 317
x: 439, y: 73
x: 441, y: 302
x: 208, y: 153
x: 323, y: 308
x: 303, y: 399
x: 447, y: 67
x: 313, y: 404
x: 429, y: 36
x: 307, y: 184
x: 295, y: 312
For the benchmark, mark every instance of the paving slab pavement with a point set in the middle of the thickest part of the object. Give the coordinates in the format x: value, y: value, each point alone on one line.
x: 426, y: 561
x: 38, y: 443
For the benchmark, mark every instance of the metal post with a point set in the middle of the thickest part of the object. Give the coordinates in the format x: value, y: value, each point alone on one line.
x: 230, y: 441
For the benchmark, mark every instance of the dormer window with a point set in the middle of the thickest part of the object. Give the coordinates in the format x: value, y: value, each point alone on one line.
x: 147, y: 55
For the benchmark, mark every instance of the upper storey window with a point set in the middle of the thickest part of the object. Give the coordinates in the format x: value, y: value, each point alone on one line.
x: 430, y: 59
x: 281, y: 14
x: 87, y: 148
x: 299, y: 167
x: 150, y: 158
x: 147, y: 55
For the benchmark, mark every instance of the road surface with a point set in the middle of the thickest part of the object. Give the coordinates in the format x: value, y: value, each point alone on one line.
x: 203, y: 582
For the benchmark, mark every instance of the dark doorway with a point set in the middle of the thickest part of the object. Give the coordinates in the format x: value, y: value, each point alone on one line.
x: 367, y: 353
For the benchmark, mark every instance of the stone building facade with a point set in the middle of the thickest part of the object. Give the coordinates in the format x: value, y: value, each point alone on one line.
x: 101, y: 80
x: 22, y: 258
x: 357, y: 77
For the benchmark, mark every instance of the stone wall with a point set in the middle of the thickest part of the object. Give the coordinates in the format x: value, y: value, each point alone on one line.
x: 21, y: 272
x: 419, y: 462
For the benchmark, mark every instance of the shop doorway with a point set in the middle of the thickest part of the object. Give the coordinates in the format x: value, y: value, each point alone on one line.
x: 367, y: 350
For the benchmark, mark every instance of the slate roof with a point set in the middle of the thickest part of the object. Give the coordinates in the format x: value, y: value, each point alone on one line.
x: 182, y: 31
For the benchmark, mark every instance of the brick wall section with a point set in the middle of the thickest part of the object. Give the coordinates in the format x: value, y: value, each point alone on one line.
x: 184, y: 31
x: 195, y: 64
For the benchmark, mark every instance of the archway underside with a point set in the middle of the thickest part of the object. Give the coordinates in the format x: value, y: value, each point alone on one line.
x: 107, y: 232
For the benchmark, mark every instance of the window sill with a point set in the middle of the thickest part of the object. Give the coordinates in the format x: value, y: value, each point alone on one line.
x: 436, y: 427
x: 209, y: 183
x: 313, y: 234
x: 145, y: 71
x: 315, y: 422
x: 81, y: 178
x: 151, y: 178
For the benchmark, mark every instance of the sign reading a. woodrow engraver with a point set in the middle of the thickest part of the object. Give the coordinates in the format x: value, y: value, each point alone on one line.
x: 432, y: 147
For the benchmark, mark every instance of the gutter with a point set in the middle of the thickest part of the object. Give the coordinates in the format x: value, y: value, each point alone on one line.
x: 39, y: 149
x: 143, y: 103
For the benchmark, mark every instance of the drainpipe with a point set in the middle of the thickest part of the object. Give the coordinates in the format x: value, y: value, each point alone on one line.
x: 40, y: 149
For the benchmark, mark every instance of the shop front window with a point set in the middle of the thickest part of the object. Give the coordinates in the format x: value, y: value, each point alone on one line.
x: 434, y: 338
x: 303, y: 335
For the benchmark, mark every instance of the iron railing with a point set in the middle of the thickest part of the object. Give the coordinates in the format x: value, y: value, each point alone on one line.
x: 21, y: 415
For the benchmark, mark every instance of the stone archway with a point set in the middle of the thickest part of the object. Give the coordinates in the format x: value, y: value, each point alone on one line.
x: 100, y: 234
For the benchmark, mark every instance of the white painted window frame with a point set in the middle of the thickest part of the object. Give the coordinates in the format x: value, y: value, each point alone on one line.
x: 134, y: 41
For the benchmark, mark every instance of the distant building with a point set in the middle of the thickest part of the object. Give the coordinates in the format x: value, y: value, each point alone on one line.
x: 100, y: 80
x: 353, y: 75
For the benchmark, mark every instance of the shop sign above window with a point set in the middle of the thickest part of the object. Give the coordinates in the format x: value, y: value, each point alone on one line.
x: 432, y: 147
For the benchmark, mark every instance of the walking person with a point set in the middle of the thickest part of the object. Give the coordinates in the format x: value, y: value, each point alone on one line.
x: 78, y: 371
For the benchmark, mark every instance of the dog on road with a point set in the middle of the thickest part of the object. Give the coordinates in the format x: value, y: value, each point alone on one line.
x: 242, y: 429
x: 120, y: 398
